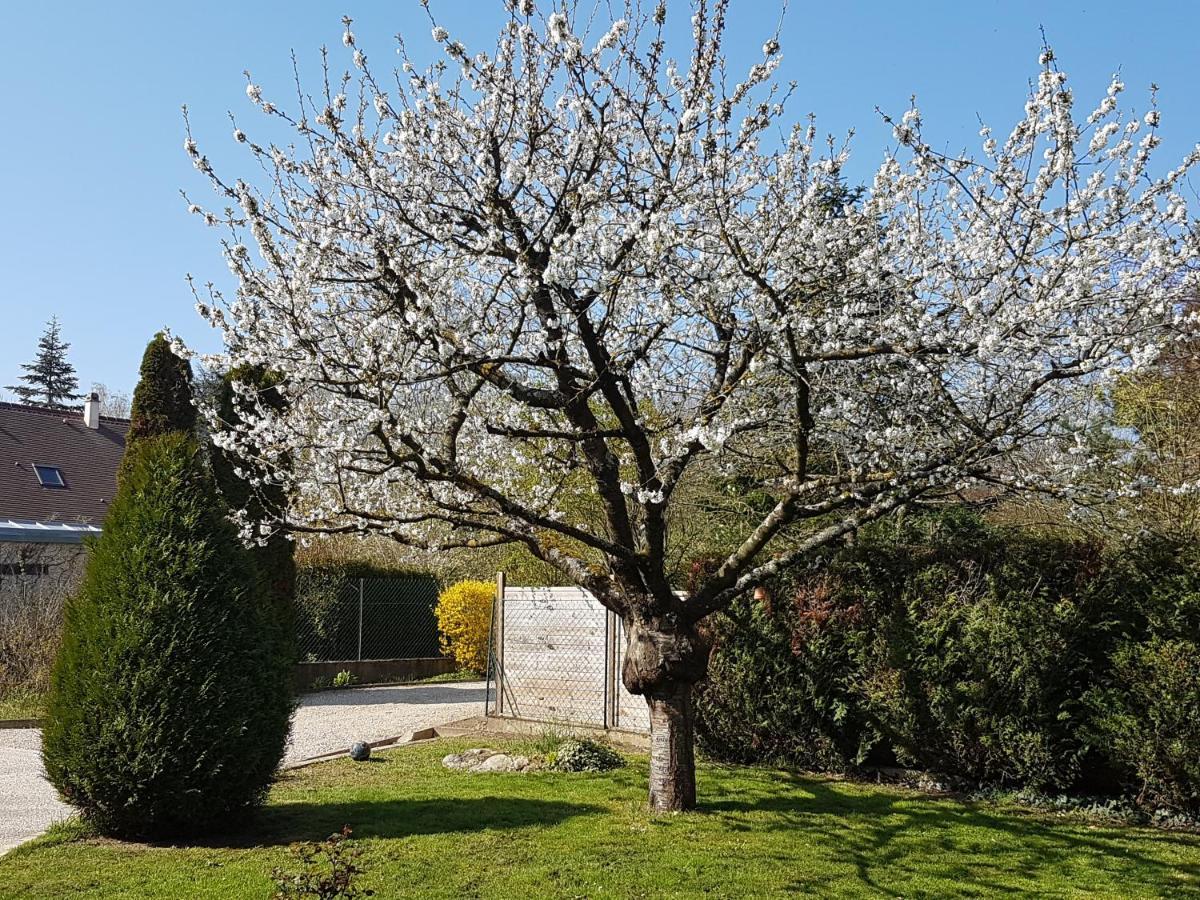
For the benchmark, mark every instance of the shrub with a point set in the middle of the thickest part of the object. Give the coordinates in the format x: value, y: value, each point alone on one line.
x: 167, y: 712
x: 1149, y: 720
x: 464, y: 614
x: 583, y: 755
x: 942, y: 642
x: 162, y: 401
x: 259, y: 503
x: 983, y: 651
x: 31, y: 603
x: 343, y: 679
x: 780, y: 688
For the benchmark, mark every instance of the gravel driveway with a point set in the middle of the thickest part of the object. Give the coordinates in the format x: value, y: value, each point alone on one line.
x: 333, y: 720
x: 324, y: 723
x: 28, y: 805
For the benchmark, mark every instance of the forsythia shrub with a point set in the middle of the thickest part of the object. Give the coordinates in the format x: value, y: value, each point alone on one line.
x: 464, y: 613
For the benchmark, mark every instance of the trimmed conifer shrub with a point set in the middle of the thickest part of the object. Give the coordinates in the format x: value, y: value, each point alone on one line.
x: 162, y: 401
x: 168, y: 713
x: 274, y: 558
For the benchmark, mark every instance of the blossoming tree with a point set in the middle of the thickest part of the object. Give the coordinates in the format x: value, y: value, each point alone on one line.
x: 572, y: 257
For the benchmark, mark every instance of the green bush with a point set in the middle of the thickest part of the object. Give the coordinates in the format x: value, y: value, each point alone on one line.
x: 274, y: 558
x: 941, y: 642
x: 1149, y: 720
x: 167, y: 713
x: 162, y: 401
x: 584, y: 755
x: 779, y: 688
x: 984, y: 651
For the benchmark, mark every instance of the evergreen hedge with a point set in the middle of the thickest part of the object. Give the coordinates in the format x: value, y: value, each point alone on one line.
x: 274, y: 559
x: 1003, y: 657
x: 168, y: 713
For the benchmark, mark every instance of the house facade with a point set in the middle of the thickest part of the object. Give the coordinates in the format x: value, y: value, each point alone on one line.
x: 58, y: 474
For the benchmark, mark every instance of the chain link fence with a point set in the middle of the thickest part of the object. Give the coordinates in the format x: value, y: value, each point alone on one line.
x: 341, y: 617
x: 556, y: 657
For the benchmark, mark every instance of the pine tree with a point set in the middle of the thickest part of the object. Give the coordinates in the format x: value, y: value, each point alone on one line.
x: 51, y: 379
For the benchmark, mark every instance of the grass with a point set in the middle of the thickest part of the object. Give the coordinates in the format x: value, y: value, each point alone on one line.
x: 450, y: 678
x: 21, y: 705
x: 325, y: 683
x: 428, y: 832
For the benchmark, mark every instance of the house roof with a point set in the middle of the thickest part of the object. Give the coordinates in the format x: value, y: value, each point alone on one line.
x: 87, y: 459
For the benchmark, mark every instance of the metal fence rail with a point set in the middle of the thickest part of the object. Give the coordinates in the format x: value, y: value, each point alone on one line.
x: 341, y: 618
x: 556, y: 657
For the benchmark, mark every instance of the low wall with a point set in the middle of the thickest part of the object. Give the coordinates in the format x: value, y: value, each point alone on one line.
x: 366, y: 671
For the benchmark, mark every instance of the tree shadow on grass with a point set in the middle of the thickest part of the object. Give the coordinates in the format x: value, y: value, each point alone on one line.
x: 894, y: 840
x: 288, y: 823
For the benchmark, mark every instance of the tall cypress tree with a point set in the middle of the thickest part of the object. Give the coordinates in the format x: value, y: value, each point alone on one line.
x: 50, y: 379
x: 169, y: 706
x: 261, y: 501
x: 162, y: 400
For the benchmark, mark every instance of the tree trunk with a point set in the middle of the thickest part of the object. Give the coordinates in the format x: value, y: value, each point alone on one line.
x: 672, y: 760
x: 663, y: 659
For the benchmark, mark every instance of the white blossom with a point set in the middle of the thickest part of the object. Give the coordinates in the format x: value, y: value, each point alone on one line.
x: 526, y: 279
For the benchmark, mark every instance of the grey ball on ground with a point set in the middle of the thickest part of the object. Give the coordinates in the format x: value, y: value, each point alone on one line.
x: 360, y: 752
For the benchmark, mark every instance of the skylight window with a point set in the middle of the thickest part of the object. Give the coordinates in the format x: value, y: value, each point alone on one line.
x: 49, y: 476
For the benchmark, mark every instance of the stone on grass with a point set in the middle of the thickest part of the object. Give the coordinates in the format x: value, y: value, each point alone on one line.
x: 502, y: 762
x: 467, y: 759
x: 484, y: 759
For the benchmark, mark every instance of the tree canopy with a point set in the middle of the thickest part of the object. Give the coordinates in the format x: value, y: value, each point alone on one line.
x: 50, y: 379
x: 162, y: 400
x: 572, y: 256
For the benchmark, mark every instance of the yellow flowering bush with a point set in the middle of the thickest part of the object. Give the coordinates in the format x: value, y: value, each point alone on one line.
x: 464, y: 612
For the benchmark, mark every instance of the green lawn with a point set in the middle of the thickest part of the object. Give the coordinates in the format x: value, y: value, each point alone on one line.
x: 427, y: 832
x: 21, y: 705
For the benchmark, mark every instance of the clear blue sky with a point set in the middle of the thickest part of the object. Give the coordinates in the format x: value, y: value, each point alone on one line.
x: 91, y: 160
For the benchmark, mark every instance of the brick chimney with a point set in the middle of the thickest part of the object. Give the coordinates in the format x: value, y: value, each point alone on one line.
x: 91, y: 411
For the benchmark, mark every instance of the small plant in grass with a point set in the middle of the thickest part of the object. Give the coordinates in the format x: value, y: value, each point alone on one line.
x: 329, y: 870
x: 344, y: 678
x: 584, y: 755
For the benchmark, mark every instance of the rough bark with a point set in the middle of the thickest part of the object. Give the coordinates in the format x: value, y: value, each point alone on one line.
x: 663, y: 659
x: 672, y: 760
